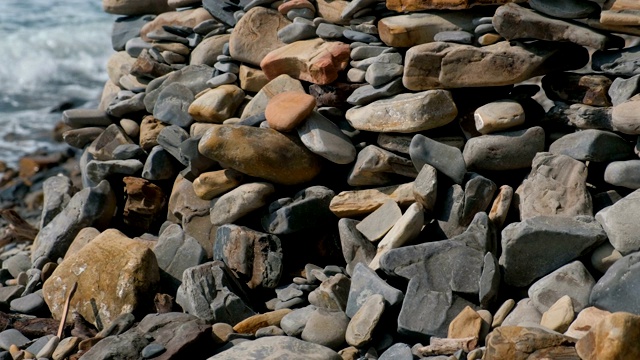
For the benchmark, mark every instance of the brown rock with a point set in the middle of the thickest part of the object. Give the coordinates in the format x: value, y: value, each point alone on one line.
x: 136, y: 7
x: 501, y: 205
x: 589, y: 89
x: 331, y: 10
x: 282, y: 83
x: 177, y: 48
x: 252, y: 79
x: 208, y: 50
x: 312, y: 60
x: 266, y: 153
x: 127, y: 287
x: 287, y: 110
x: 295, y: 4
x: 150, y: 128
x: 146, y: 66
x: 521, y: 343
x: 211, y: 184
x: 256, y: 34
x: 468, y: 323
x: 559, y: 316
x: 83, y: 238
x: 615, y: 337
x: 417, y: 5
x: 145, y: 201
x: 190, y: 18
x: 420, y: 28
x: 587, y: 319
x: 361, y: 202
x: 256, y: 322
x: 217, y: 105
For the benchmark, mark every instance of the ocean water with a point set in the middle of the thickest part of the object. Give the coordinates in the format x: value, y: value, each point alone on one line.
x: 51, y: 52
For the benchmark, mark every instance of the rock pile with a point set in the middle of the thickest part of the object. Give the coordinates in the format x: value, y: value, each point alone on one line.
x: 440, y: 179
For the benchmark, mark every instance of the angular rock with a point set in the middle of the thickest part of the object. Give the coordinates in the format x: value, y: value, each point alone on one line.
x: 587, y: 318
x: 58, y: 191
x: 623, y: 89
x: 614, y: 337
x: 498, y: 116
x: 308, y: 208
x: 285, y: 111
x: 364, y: 283
x: 578, y: 88
x: 145, y: 201
x: 490, y: 280
x: 97, y: 171
x: 620, y: 62
x: 207, y: 51
x: 444, y: 158
x: 520, y: 343
x: 194, y: 77
x: 239, y: 202
x: 592, y: 145
x: 466, y: 324
x: 160, y: 165
x: 332, y: 294
x: 405, y: 229
x: 323, y: 137
x: 620, y: 229
x: 277, y: 347
x: 571, y: 280
x: 355, y: 247
x: 294, y: 322
x: 559, y: 316
x: 175, y: 253
x: 362, y: 325
x: 172, y: 105
x: 189, y: 18
x: 419, y: 28
x: 507, y: 150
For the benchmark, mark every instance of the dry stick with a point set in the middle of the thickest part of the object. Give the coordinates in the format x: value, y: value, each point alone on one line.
x: 19, y: 230
x: 440, y: 346
x: 66, y: 309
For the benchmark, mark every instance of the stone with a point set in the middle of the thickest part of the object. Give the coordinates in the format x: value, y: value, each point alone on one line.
x: 622, y: 116
x: 447, y: 159
x: 193, y: 77
x: 252, y: 79
x: 498, y: 116
x: 502, y: 313
x: 311, y: 60
x: 30, y: 304
x: 360, y: 202
x: 286, y: 110
x: 78, y: 118
x: 330, y: 31
x: 210, y: 292
x: 623, y: 173
x: 405, y: 229
x: 418, y: 28
x: 379, y: 222
x: 619, y: 228
x: 521, y: 242
x: 172, y: 105
x: 574, y: 9
x: 490, y: 281
x: 256, y: 322
x: 332, y: 294
x: 78, y: 138
x: 620, y: 62
x: 118, y: 65
x: 12, y: 337
x: 446, y: 65
x: 586, y: 319
x: 326, y: 328
x: 611, y: 338
x: 361, y: 327
x: 571, y: 280
x: 258, y: 104
x: 398, y: 351
x: 58, y: 191
x: 150, y: 128
x: 146, y: 66
x: 385, y: 58
x: 277, y: 347
x: 592, y: 145
x: 255, y: 258
x: 216, y: 105
x: 126, y: 290
x: 97, y: 171
x: 296, y: 31
x: 159, y: 165
x: 520, y: 343
x: 294, y: 322
x: 412, y: 112
x: 90, y: 206
x: 364, y: 283
x: 467, y: 323
x: 604, y: 256
x: 188, y: 18
x: 113, y: 136
x: 255, y: 35
x: 559, y: 316
x: 135, y: 7
x: 500, y: 208
x: 507, y: 150
x: 615, y: 290
x: 309, y: 208
x: 369, y: 93
x: 381, y: 73
x: 425, y: 187
x: 578, y: 88
x: 223, y: 79
x: 413, y: 5
x: 239, y: 202
x: 622, y: 89
x: 65, y: 347
x: 324, y: 138
x: 208, y: 50
x: 355, y: 247
x: 513, y: 21
x: 176, y: 252
x: 209, y: 185
x: 126, y: 28
x: 458, y: 37
x: 170, y: 138
x: 285, y: 162
x: 460, y: 205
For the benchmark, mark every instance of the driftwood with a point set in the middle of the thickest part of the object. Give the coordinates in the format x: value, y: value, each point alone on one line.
x: 440, y: 346
x: 19, y: 230
x: 29, y: 326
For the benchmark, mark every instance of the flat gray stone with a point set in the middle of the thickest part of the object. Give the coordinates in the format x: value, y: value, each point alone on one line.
x: 618, y: 221
x: 425, y: 187
x: 194, y: 77
x: 326, y: 328
x: 172, y: 105
x: 98, y: 171
x: 369, y: 51
x: 364, y: 283
x: 324, y: 137
x: 360, y: 330
x: 622, y: 62
x: 159, y: 165
x: 379, y: 222
x: 572, y: 279
x: 126, y: 28
x: 294, y: 322
x: 617, y: 289
x: 460, y: 206
x: 332, y: 294
x: 277, y: 347
x: 375, y: 166
x: 507, y: 150
x: 623, y: 89
x: 390, y: 57
x: 446, y: 159
x: 360, y: 36
x: 623, y: 173
x: 12, y: 337
x: 369, y: 93
x: 30, y: 304
x: 593, y: 145
x: 379, y: 74
x: 170, y: 138
x: 330, y: 31
x: 490, y: 280
x: 524, y: 312
x: 79, y: 118
x: 458, y: 37
x: 175, y: 253
x: 568, y: 9
x: 239, y: 202
x: 296, y: 31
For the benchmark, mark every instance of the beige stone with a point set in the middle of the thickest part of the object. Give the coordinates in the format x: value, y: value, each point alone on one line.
x: 498, y: 116
x: 614, y: 338
x: 331, y: 10
x: 136, y: 7
x: 559, y: 316
x: 258, y: 104
x: 621, y: 13
x: 252, y: 79
x: 130, y: 285
x: 419, y: 28
x: 468, y: 323
x: 119, y: 65
x: 217, y: 105
x: 208, y: 50
x: 364, y: 321
x: 211, y: 184
x: 287, y: 110
x: 83, y: 238
x: 190, y: 18
x: 256, y: 34
x: 624, y: 117
x: 256, y: 322
x: 489, y: 39
x: 585, y: 321
x: 150, y: 128
x: 502, y: 312
x: 417, y: 5
x: 522, y: 343
x: 109, y: 92
x: 361, y: 202
x: 313, y: 60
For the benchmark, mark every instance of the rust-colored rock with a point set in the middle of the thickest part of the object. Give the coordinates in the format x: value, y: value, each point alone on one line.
x: 287, y: 110
x: 418, y: 5
x: 145, y: 201
x: 256, y: 322
x: 614, y: 337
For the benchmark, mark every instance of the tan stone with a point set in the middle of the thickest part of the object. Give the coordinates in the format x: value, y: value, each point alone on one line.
x: 489, y: 39
x: 286, y: 6
x: 117, y: 273
x: 83, y: 238
x: 417, y: 5
x: 502, y: 312
x: 177, y: 48
x: 256, y: 34
x: 119, y: 65
x: 199, y: 129
x: 559, y: 316
x: 217, y: 105
x: 624, y: 117
x: 265, y: 153
x: 287, y: 110
x: 256, y: 322
x: 522, y: 343
x: 208, y: 50
x: 109, y: 92
x: 136, y: 7
x: 331, y: 10
x: 363, y: 323
x: 312, y: 60
x: 190, y: 18
x: 414, y: 29
x: 211, y: 184
x: 586, y: 319
x: 258, y: 104
x: 150, y: 128
x: 468, y: 323
x: 252, y: 79
x: 615, y: 337
x: 361, y: 202
x: 621, y: 13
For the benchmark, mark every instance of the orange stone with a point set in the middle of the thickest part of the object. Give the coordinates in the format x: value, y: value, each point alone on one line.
x: 288, y: 109
x: 295, y: 4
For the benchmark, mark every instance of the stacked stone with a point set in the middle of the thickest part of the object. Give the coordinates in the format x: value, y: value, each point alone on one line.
x: 348, y: 180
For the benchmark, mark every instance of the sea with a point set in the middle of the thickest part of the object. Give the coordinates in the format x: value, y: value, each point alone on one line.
x: 53, y: 54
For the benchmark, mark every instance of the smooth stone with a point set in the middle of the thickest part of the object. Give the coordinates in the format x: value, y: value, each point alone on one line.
x: 152, y: 350
x: 256, y: 322
x: 227, y: 67
x: 18, y: 263
x: 332, y: 294
x: 412, y: 113
x: 172, y: 105
x: 425, y: 187
x: 523, y: 241
x: 286, y: 110
x: 285, y: 162
x: 361, y: 327
x: 136, y: 7
x: 211, y: 184
x: 326, y: 328
x: 296, y: 31
x: 330, y: 31
x: 79, y: 118
x: 589, y: 89
x: 29, y: 304
x: 170, y: 138
x: 585, y: 321
x: 216, y: 105
x: 311, y: 60
x: 369, y: 93
x: 623, y: 116
x: 419, y: 28
x: 572, y: 9
x: 79, y: 138
x: 622, y: 89
x: 222, y: 79
x: 468, y: 323
x: 187, y: 18
x: 176, y: 252
x: 458, y: 37
x: 360, y: 36
x: 523, y: 313
x: 617, y: 223
x: 208, y: 50
x: 159, y: 165
x: 614, y: 337
x: 146, y: 66
x: 592, y: 145
x: 405, y: 229
x: 379, y: 222
x: 516, y: 22
x: 573, y: 280
x: 252, y: 79
x: 360, y: 202
x: 376, y: 166
x: 324, y: 138
x: 444, y: 158
x: 239, y: 202
x: 385, y: 58
x: 364, y: 283
x: 9, y: 293
x: 126, y: 28
x: 194, y: 77
x: 397, y: 351
x: 294, y: 322
x: 507, y: 150
x: 559, y: 316
x: 621, y: 62
x: 604, y: 256
x: 255, y: 35
x: 623, y: 173
x: 48, y: 349
x: 308, y: 209
x: 12, y: 337
x: 490, y: 281
x: 355, y: 247
x: 498, y: 116
x: 368, y: 51
x: 269, y: 331
x: 281, y: 84
x: 518, y: 342
x: 277, y: 347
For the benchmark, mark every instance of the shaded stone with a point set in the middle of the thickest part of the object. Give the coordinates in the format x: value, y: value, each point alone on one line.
x: 209, y: 185
x: 592, y: 145
x: 145, y: 201
x: 458, y: 37
x: 239, y: 202
x: 623, y: 173
x: 296, y: 31
x: 256, y: 322
x: 208, y: 50
x: 538, y: 245
x: 573, y: 9
x: 159, y: 165
x: 364, y: 283
x: 360, y: 202
x: 461, y: 206
x: 113, y: 136
x: 361, y: 327
x: 369, y: 93
x: 194, y: 77
x: 126, y: 28
x: 332, y: 294
x: 281, y: 84
x: 188, y: 18
x: 355, y: 247
x: 559, y: 316
x: 467, y: 323
x: 146, y: 66
x: 520, y: 343
x: 251, y: 79
x: 285, y: 162
x: 442, y: 157
x: 507, y: 150
x: 379, y: 222
x: 308, y: 208
x: 578, y: 88
x: 254, y: 257
x: 58, y: 191
x: 294, y: 322
x: 255, y: 35
x: 604, y: 256
x: 176, y: 252
x: 586, y: 319
x: 614, y: 337
x: 411, y: 113
x: 405, y: 229
x: 425, y: 187
x: 277, y: 347
x: 150, y: 128
x: 323, y: 137
x: 622, y: 89
x: 621, y: 62
x: 376, y: 166
x: 572, y: 279
x: 172, y: 105
x: 619, y: 225
x: 500, y: 208
x: 617, y: 289
x: 623, y: 116
x: 381, y: 73
x: 216, y: 105
x: 97, y: 171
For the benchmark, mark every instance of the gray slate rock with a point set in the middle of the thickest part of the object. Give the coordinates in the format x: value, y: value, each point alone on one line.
x: 277, y: 347
x: 620, y: 224
x: 172, y: 105
x: 120, y: 108
x: 458, y: 37
x: 128, y: 151
x: 592, y: 145
x: 152, y: 350
x: 623, y: 173
x: 446, y: 159
x: 308, y: 208
x: 294, y: 322
x: 460, y: 206
x: 326, y: 328
x: 507, y: 150
x: 355, y: 247
x: 79, y: 118
x: 359, y: 36
x: 323, y: 137
x: 425, y: 187
x: 330, y: 31
x: 126, y: 28
x: 537, y: 246
x: 368, y: 51
x: 17, y: 263
x: 572, y: 279
x: 375, y: 225
x: 567, y: 9
x: 194, y: 77
x: 623, y: 89
x: 170, y: 138
x: 376, y: 166
x: 332, y: 294
x: 12, y: 337
x: 222, y: 79
x: 30, y: 304
x: 239, y: 202
x: 489, y: 281
x: 224, y: 11
x: 622, y: 62
x: 397, y: 351
x: 211, y: 292
x: 366, y: 282
x: 296, y: 31
x: 92, y: 206
x: 379, y: 74
x: 618, y: 288
x: 524, y: 312
x: 98, y: 171
x: 369, y: 93
x: 159, y: 165
x: 175, y: 253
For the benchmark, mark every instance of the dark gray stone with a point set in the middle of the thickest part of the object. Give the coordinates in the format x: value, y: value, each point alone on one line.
x: 323, y: 137
x: 461, y: 206
x: 79, y: 138
x: 489, y: 281
x: 458, y: 37
x: 277, y: 347
x: 119, y: 325
x: 366, y: 282
x: 17, y: 263
x: 446, y: 159
x: 309, y: 208
x: 392, y: 57
x: 194, y: 77
x: 484, y: 29
x: 197, y: 163
x: 39, y: 344
x: 369, y: 93
x: 12, y: 337
x: 379, y: 74
x: 567, y: 9
x: 102, y: 148
x: 172, y: 105
x: 97, y: 171
x: 572, y: 279
x: 294, y: 322
x: 289, y: 292
x: 159, y: 165
x: 9, y: 293
x: 623, y: 62
x: 507, y: 150
x: 152, y: 350
x: 397, y: 351
x: 222, y: 79
x: 163, y: 35
x: 227, y: 67
x: 296, y: 31
x: 210, y: 292
x: 330, y: 31
x: 539, y: 245
x: 623, y: 89
x: 623, y: 173
x: 30, y: 304
x: 356, y: 248
x: 128, y: 151
x: 79, y: 118
x: 359, y: 36
x: 326, y: 328
x: 120, y: 108
x: 92, y: 206
x: 135, y: 46
x: 375, y: 166
x: 126, y: 28
x: 170, y: 138
x: 593, y: 145
x: 618, y: 289
x: 175, y: 253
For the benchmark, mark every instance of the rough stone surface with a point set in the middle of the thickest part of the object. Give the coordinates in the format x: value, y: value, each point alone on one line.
x: 277, y: 347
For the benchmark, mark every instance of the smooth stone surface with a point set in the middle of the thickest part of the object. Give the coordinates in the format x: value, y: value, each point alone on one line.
x: 216, y: 105
x: 619, y: 225
x: 323, y: 137
x: 361, y: 202
x: 623, y: 89
x: 277, y: 347
x: 498, y: 116
x: 376, y: 166
x: 360, y: 330
x: 207, y: 51
x: 585, y: 320
x: 379, y: 222
x: 381, y: 73
x: 419, y: 28
x: 444, y: 158
x: 28, y: 304
x: 296, y: 31
x: 355, y: 247
x: 364, y: 283
x: 620, y: 62
x: 286, y: 110
x: 326, y: 328
x: 516, y: 342
x: 172, y: 105
x: 458, y: 37
x: 210, y: 184
x: 294, y: 322
x: 258, y: 104
x: 176, y: 252
x: 368, y: 93
x: 623, y: 173
x: 614, y: 337
x: 592, y: 145
x: 507, y: 150
x: 239, y: 202
x: 572, y: 9
x: 573, y: 280
x: 559, y: 316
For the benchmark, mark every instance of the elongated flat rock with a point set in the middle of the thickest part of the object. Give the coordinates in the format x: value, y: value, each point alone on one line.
x: 417, y: 5
x: 256, y: 34
x: 413, y: 29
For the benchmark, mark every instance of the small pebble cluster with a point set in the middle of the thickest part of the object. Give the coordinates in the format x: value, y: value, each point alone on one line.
x: 330, y: 179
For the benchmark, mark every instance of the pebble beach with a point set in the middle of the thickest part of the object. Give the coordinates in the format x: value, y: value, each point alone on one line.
x: 331, y: 180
